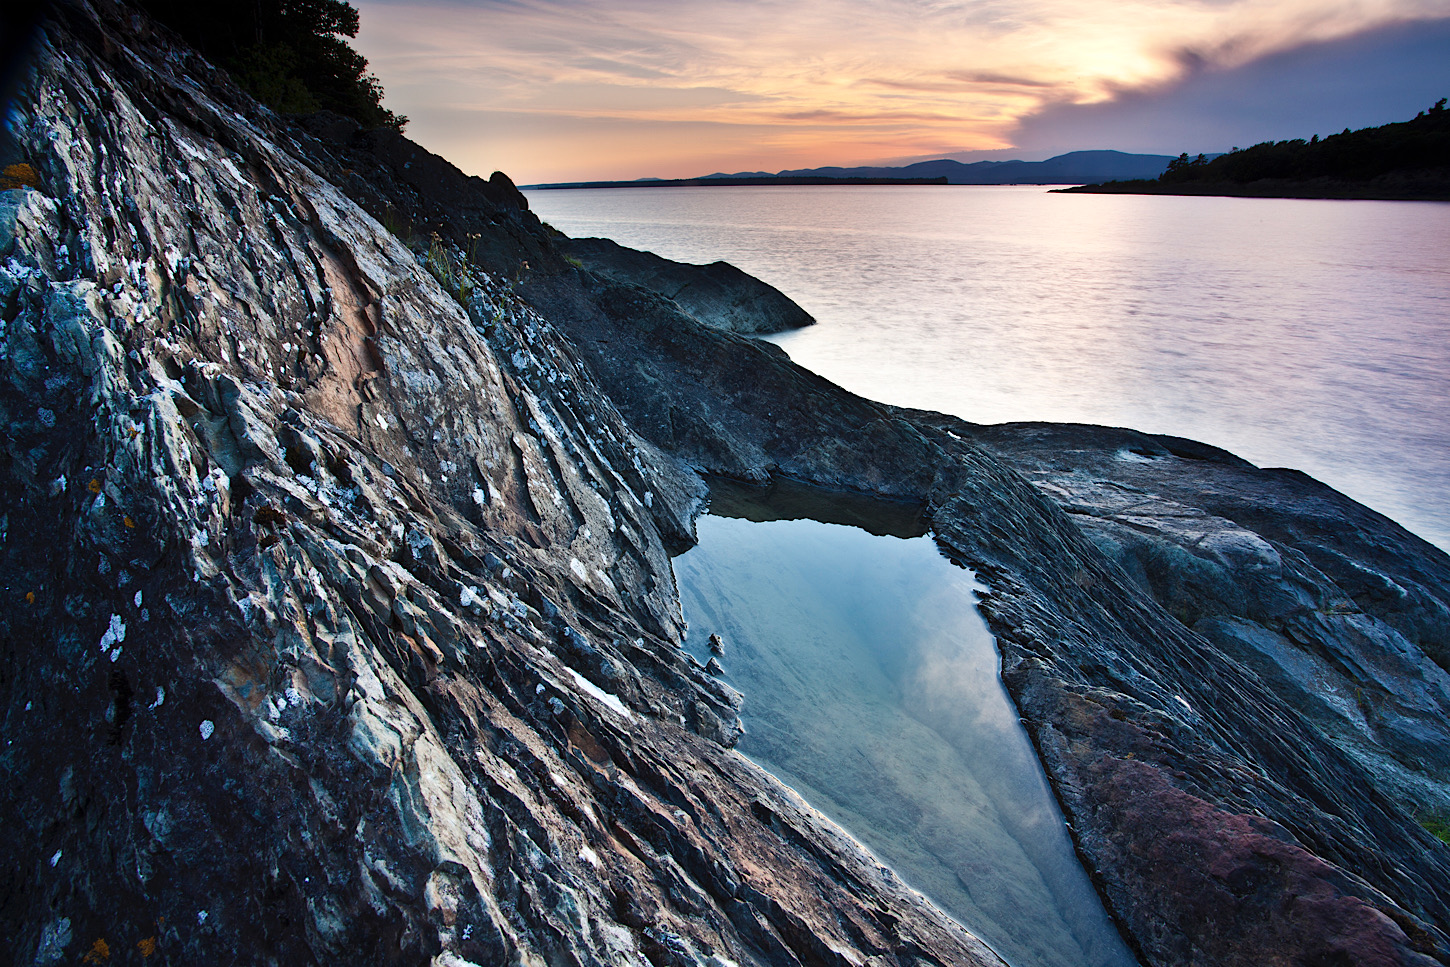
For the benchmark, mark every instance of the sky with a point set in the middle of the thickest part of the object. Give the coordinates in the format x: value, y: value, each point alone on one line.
x: 572, y: 90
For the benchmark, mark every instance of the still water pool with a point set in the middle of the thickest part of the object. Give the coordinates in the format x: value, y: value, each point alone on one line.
x: 871, y: 687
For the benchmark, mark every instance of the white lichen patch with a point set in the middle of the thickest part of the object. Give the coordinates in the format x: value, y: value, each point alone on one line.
x: 206, y: 728
x: 609, y: 700
x: 115, y: 634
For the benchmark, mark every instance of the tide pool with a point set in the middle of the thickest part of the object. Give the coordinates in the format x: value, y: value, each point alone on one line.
x: 871, y: 687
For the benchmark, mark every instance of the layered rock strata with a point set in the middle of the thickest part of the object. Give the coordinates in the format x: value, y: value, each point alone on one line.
x: 1182, y: 644
x: 339, y: 621
x: 339, y: 625
x: 1162, y: 635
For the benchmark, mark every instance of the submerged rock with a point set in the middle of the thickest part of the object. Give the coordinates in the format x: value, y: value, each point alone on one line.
x: 336, y: 514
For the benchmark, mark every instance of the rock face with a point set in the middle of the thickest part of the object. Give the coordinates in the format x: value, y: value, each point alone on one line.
x: 1227, y: 672
x: 339, y: 623
x: 718, y: 294
x: 1226, y: 816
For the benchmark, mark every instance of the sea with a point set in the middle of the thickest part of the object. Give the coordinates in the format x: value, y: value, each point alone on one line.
x: 1295, y: 333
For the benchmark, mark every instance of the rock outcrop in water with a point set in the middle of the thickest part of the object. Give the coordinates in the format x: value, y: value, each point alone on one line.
x: 339, y: 622
x: 718, y: 294
x: 1230, y: 674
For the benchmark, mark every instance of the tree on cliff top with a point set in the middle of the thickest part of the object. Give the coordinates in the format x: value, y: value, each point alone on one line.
x: 289, y: 54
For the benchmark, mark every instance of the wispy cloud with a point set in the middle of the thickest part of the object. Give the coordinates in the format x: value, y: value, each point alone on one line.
x: 796, y: 83
x: 1217, y: 102
x: 1000, y: 80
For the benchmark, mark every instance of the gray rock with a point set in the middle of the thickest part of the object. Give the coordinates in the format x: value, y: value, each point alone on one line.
x: 1102, y: 571
x: 717, y: 294
x: 246, y: 707
x: 290, y: 435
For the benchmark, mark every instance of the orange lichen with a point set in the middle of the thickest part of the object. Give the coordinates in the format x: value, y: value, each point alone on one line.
x: 100, y: 950
x: 19, y: 176
x: 129, y: 522
x: 95, y: 485
x: 29, y: 597
x: 146, y: 946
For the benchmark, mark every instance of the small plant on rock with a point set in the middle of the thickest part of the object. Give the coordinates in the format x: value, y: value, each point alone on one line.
x: 450, y: 274
x: 1438, y: 825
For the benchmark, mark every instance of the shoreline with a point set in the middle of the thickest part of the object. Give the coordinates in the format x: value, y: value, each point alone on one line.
x: 734, y: 183
x: 1333, y: 191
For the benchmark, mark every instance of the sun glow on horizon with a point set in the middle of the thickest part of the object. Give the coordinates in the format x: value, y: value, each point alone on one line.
x: 557, y: 90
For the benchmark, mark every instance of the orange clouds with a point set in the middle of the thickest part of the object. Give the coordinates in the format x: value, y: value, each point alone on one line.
x: 555, y: 90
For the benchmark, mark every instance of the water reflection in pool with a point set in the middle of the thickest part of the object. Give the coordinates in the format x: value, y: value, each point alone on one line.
x: 871, y: 687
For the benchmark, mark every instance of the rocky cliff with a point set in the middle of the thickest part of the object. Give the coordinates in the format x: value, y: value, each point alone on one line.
x: 339, y: 624
x: 339, y: 620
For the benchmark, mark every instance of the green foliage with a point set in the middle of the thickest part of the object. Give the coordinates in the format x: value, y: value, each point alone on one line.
x: 1439, y: 826
x: 398, y: 225
x: 1181, y: 165
x: 1420, y: 144
x: 450, y: 274
x: 289, y: 54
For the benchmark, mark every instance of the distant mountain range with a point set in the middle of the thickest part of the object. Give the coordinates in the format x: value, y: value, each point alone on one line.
x: 1073, y: 168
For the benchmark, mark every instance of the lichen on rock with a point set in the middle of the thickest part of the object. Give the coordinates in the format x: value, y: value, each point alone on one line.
x: 374, y: 490
x: 389, y: 716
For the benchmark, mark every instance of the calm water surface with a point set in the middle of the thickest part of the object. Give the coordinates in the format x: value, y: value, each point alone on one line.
x: 872, y: 688
x: 1307, y: 334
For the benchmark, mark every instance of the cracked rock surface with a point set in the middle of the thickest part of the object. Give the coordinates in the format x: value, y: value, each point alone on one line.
x: 339, y: 622
x: 336, y: 504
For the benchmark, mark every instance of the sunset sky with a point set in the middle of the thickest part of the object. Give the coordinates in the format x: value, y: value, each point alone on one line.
x: 562, y: 90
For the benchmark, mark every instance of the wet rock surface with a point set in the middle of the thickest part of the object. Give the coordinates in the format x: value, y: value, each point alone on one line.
x: 1244, y: 740
x: 339, y: 617
x: 717, y: 294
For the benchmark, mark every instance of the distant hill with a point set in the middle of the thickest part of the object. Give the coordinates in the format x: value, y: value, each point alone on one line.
x: 731, y: 181
x: 1074, y: 168
x: 1406, y: 160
